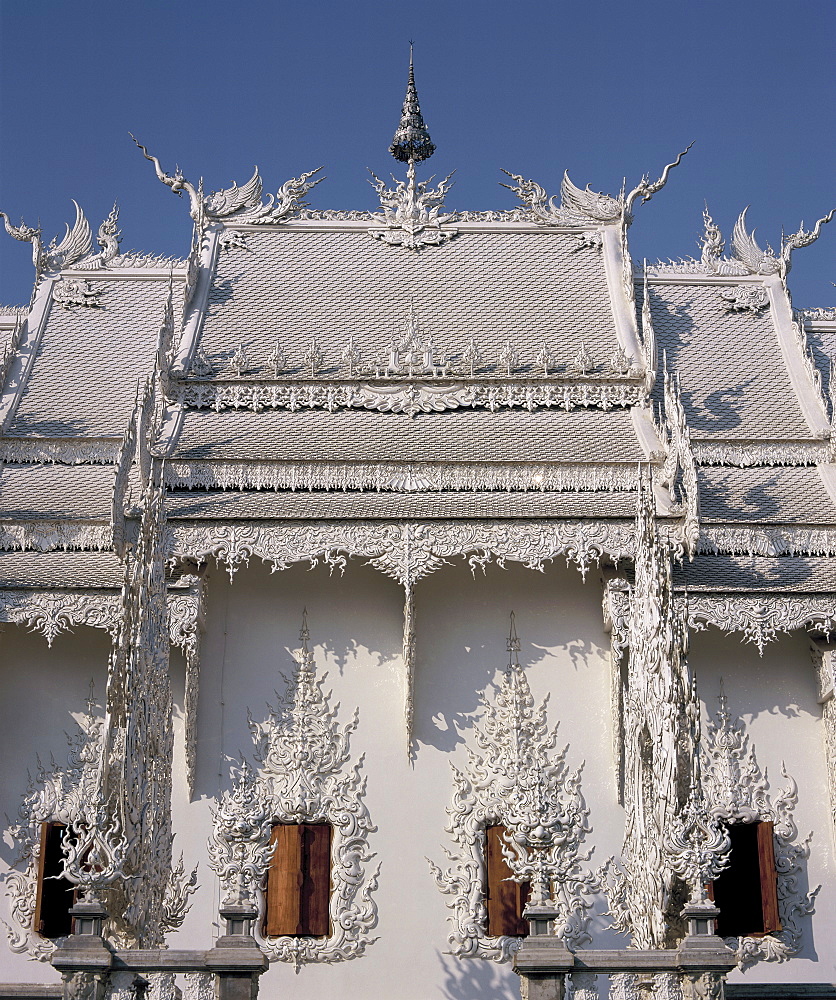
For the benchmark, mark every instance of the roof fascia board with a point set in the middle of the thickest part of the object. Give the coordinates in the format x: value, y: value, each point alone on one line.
x: 21, y: 367
x: 129, y: 274
x: 173, y: 418
x: 646, y: 433
x: 703, y: 279
x: 623, y: 311
x: 364, y: 225
x: 807, y: 394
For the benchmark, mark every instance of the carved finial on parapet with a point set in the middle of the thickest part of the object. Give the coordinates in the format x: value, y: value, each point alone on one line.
x: 711, y: 243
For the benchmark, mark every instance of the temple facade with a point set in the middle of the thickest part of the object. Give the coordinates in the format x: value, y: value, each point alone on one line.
x: 412, y: 586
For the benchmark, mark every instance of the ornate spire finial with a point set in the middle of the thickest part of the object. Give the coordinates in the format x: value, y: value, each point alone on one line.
x: 412, y: 142
x: 304, y: 631
x: 513, y: 643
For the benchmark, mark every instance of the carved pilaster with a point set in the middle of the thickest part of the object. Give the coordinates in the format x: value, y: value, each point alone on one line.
x: 658, y: 747
x: 825, y: 661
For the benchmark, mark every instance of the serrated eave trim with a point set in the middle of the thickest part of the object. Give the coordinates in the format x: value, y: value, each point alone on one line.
x: 30, y: 339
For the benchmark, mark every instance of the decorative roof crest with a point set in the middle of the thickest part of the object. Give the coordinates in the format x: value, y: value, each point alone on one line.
x: 411, y: 210
x: 238, y: 204
x: 581, y: 207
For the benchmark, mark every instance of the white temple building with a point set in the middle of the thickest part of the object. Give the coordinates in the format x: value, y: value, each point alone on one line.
x: 311, y: 540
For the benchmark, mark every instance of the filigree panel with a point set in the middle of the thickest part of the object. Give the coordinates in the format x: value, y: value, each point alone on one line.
x: 749, y: 453
x: 407, y: 551
x: 64, y: 451
x: 411, y: 212
x: 305, y: 774
x: 54, y: 612
x: 400, y: 477
x: 515, y: 776
x: 410, y: 397
x: 52, y: 536
x: 825, y: 662
x: 737, y: 791
x: 761, y: 617
x: 759, y: 541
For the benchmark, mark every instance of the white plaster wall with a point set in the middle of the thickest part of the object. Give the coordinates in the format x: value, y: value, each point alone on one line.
x: 776, y: 698
x: 355, y: 622
x: 43, y: 691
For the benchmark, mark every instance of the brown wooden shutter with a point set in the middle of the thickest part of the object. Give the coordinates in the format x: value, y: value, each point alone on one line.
x: 769, y: 877
x: 299, y: 881
x: 55, y: 894
x: 747, y: 890
x: 505, y: 899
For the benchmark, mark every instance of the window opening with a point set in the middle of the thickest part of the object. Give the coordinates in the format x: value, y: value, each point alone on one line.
x: 747, y: 891
x: 505, y: 899
x: 56, y: 894
x: 298, y: 887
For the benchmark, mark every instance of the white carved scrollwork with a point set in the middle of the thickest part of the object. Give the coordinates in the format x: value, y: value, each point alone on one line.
x: 413, y: 397
x: 58, y: 793
x: 825, y: 663
x: 787, y: 540
x: 52, y: 536
x: 516, y: 777
x: 409, y: 550
x: 73, y: 292
x: 54, y: 612
x: 410, y: 216
x: 744, y: 298
x: 305, y: 774
x: 737, y: 791
x: 658, y: 700
x: 762, y: 617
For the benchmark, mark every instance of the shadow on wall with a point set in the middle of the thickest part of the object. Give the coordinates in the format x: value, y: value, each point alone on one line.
x: 466, y: 978
x: 462, y: 625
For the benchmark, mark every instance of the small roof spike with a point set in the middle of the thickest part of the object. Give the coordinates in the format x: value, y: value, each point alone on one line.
x: 412, y: 142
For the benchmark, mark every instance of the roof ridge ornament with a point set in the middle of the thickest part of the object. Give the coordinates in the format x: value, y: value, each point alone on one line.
x: 238, y: 204
x: 412, y: 142
x: 75, y: 244
x: 411, y: 210
x: 580, y: 206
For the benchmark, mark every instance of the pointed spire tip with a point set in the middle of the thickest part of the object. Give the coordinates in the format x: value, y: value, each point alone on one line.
x: 412, y: 142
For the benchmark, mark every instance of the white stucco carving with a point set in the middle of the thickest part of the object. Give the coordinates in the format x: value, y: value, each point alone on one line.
x: 737, y: 791
x: 305, y: 774
x: 411, y: 212
x: 761, y: 617
x: 411, y: 397
x: 516, y: 777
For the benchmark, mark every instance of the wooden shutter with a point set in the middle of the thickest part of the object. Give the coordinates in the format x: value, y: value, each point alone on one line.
x: 505, y: 899
x: 55, y: 894
x: 747, y: 890
x: 769, y: 877
x: 299, y: 881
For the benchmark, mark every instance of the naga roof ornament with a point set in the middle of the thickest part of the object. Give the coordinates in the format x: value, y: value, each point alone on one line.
x: 74, y: 249
x: 580, y: 206
x: 238, y: 204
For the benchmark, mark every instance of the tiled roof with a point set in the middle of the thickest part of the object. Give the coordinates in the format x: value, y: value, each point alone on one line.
x: 60, y: 569
x: 292, y: 287
x: 49, y: 491
x: 453, y: 436
x: 303, y: 505
x: 735, y: 383
x: 764, y: 496
x: 822, y: 343
x: 85, y: 374
x: 722, y: 573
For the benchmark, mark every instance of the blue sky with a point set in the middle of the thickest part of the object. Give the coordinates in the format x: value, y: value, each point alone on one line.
x: 604, y: 89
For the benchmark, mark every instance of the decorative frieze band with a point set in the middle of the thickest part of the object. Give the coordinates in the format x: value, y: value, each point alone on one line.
x: 54, y: 612
x: 401, y: 477
x: 406, y: 551
x: 760, y: 618
x: 760, y: 541
x: 410, y: 397
x: 64, y: 451
x: 748, y: 453
x: 52, y: 536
